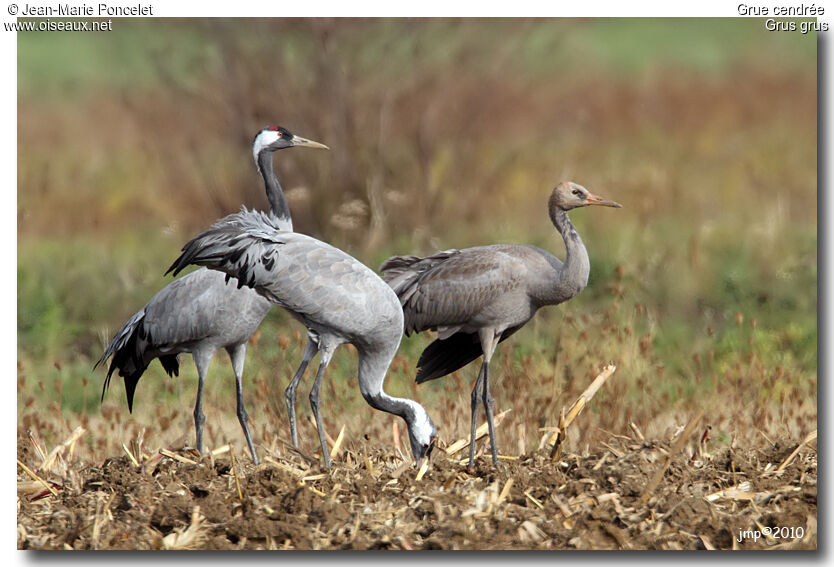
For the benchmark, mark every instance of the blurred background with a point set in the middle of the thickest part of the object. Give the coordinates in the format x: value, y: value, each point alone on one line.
x: 444, y: 133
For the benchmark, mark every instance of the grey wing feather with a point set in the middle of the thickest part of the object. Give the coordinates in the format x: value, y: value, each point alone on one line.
x: 201, y: 306
x: 186, y: 310
x: 243, y: 245
x: 320, y: 284
x: 403, y: 273
x: 158, y: 327
x: 449, y: 289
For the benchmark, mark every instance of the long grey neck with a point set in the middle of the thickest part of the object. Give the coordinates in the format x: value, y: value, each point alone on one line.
x: 277, y: 202
x: 372, y: 370
x: 574, y: 274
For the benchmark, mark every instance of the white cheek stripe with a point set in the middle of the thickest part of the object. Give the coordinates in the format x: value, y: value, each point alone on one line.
x: 264, y: 139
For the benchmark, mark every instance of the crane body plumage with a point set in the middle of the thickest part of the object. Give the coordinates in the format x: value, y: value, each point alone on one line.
x: 203, y: 312
x: 184, y: 316
x: 477, y: 297
x: 338, y: 299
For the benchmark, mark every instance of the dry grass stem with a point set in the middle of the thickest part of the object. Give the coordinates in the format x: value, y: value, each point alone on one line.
x: 534, y: 500
x: 740, y: 492
x: 505, y: 491
x: 810, y: 437
x: 482, y: 430
x: 395, y: 432
x: 130, y: 455
x: 313, y: 477
x: 330, y: 440
x: 566, y: 419
x: 220, y: 451
x: 49, y: 461
x: 234, y: 472
x: 611, y: 449
x: 338, y: 444
x: 192, y: 537
x: 293, y: 471
x: 172, y: 455
x: 37, y: 445
x: 424, y: 466
x: 397, y: 473
x: 36, y: 478
x: 688, y: 430
x: 636, y: 430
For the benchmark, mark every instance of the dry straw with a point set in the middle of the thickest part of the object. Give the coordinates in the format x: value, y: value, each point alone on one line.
x: 565, y: 420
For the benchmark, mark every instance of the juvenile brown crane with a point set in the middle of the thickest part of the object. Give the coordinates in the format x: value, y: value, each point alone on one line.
x: 477, y: 297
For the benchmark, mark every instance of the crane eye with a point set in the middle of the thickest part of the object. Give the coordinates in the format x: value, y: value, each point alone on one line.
x: 577, y: 192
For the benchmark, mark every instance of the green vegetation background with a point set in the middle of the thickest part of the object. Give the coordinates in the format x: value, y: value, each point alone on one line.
x: 444, y: 133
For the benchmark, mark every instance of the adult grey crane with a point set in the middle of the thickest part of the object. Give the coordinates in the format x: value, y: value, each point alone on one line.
x: 338, y: 299
x: 477, y: 297
x: 199, y: 313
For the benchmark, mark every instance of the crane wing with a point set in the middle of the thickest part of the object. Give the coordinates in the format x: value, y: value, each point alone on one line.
x: 182, y: 312
x: 450, y: 289
x: 243, y: 245
x: 306, y: 276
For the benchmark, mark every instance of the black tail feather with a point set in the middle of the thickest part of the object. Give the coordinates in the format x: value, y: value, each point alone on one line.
x: 130, y: 389
x: 107, y: 381
x: 128, y: 359
x: 444, y: 356
x: 171, y: 364
x: 131, y: 379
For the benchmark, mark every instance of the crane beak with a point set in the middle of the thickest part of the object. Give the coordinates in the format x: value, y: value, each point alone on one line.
x: 299, y: 141
x: 423, y: 461
x: 597, y: 200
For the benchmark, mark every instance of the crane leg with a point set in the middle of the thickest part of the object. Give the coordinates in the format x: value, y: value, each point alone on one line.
x: 202, y: 360
x: 488, y: 342
x: 489, y: 405
x: 476, y: 397
x: 289, y: 393
x: 238, y: 356
x: 324, y: 360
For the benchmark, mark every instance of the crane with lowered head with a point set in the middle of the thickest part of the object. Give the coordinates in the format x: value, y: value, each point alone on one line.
x: 336, y: 297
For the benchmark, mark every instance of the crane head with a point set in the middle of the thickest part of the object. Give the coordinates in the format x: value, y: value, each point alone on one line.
x: 422, y: 434
x: 273, y: 138
x: 569, y: 195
